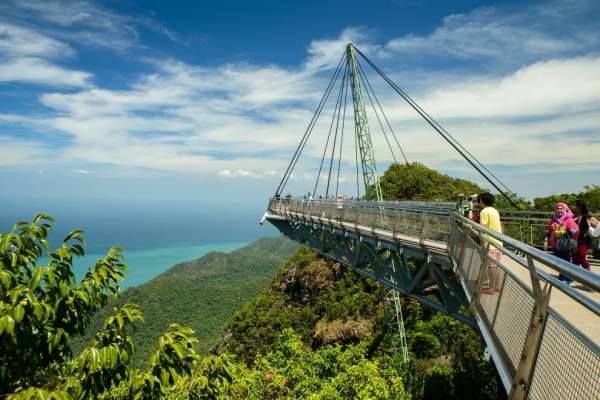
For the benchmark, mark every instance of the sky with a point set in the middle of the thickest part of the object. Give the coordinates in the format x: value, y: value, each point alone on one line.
x: 198, y: 106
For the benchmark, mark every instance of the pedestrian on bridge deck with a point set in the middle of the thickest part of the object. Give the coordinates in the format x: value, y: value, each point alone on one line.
x: 594, y: 227
x: 462, y: 205
x: 562, y: 232
x: 490, y: 218
x: 584, y: 241
x: 474, y: 208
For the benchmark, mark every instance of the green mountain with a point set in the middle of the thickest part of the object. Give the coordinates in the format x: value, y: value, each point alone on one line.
x: 337, y: 320
x: 201, y: 294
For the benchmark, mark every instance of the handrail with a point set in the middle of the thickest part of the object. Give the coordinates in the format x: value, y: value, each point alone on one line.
x: 525, y: 333
x: 585, y: 277
x: 581, y: 275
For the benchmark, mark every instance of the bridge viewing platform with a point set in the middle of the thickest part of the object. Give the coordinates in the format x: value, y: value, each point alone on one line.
x: 542, y: 334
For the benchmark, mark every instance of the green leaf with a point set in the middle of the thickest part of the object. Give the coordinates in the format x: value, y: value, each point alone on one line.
x: 38, y: 311
x: 35, y: 281
x: 18, y: 313
x: 9, y: 324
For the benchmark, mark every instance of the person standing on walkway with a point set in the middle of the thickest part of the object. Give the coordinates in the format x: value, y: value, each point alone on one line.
x: 490, y: 218
x: 584, y: 241
x: 462, y: 205
x: 562, y: 234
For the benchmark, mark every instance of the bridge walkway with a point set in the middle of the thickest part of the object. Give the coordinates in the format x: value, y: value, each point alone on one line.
x: 543, y: 335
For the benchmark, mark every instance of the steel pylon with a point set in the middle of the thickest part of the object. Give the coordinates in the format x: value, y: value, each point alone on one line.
x: 371, y: 178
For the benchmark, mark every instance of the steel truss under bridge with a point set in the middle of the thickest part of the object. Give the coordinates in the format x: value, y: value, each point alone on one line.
x: 543, y: 335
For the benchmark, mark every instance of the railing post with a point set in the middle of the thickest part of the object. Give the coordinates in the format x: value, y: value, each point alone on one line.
x: 522, y: 380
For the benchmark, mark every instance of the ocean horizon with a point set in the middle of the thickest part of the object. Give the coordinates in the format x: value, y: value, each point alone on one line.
x: 153, y: 240
x: 146, y: 264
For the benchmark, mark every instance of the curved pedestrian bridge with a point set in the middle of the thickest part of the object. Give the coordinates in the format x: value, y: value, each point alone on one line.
x: 542, y: 334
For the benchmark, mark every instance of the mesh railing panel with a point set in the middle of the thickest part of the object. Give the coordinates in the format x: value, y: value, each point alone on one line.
x: 567, y: 367
x: 457, y: 240
x: 470, y: 264
x: 510, y: 318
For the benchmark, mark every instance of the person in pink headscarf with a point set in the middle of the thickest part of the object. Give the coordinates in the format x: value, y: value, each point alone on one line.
x: 562, y: 223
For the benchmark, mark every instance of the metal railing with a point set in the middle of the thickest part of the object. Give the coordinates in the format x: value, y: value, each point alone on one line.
x: 542, y: 350
x: 543, y: 334
x: 393, y: 218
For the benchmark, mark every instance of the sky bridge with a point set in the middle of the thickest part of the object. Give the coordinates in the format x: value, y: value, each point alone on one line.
x: 542, y: 334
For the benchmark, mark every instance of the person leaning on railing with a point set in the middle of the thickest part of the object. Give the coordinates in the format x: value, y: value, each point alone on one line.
x: 490, y: 218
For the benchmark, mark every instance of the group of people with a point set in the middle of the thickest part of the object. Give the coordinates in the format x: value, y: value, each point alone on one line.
x: 569, y: 235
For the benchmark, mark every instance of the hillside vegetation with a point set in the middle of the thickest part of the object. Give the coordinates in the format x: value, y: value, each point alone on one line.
x: 337, y: 321
x: 201, y: 294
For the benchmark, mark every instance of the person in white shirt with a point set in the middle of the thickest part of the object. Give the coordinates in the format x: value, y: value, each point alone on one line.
x: 594, y: 227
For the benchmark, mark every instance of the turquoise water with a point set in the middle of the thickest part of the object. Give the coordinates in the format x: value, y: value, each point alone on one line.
x: 148, y: 263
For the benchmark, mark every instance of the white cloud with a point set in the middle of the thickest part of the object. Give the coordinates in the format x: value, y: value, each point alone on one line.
x: 84, y: 22
x: 29, y: 56
x: 82, y: 171
x: 35, y: 70
x: 500, y: 36
x: 17, y: 41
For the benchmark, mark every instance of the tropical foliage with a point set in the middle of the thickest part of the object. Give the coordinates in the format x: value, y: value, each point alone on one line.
x: 415, y: 181
x: 332, y: 310
x: 42, y: 308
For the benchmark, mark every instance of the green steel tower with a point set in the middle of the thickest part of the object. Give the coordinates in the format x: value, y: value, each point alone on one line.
x: 371, y: 178
x: 361, y: 126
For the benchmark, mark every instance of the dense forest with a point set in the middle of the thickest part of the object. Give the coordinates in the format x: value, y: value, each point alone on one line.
x: 316, y: 330
x: 416, y: 181
x: 201, y: 294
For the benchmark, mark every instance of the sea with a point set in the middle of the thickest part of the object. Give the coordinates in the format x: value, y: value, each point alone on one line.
x: 153, y: 240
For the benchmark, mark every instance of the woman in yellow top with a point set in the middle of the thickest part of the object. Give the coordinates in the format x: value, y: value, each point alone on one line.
x: 490, y: 218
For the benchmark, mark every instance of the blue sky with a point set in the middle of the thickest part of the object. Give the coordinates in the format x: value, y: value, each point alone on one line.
x: 182, y: 104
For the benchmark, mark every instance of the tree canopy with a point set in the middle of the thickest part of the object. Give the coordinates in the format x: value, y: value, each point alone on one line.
x: 416, y: 181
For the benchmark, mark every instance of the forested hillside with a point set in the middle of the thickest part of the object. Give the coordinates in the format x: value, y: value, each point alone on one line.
x: 201, y: 294
x: 337, y: 320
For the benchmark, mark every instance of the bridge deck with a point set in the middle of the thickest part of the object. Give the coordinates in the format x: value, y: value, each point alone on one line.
x: 543, y: 335
x: 582, y: 318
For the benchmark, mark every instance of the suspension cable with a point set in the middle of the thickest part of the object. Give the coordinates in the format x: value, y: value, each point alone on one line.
x: 309, y: 129
x: 356, y: 159
x: 442, y: 132
x: 337, y: 182
x: 337, y: 104
x: 382, y: 112
x: 337, y: 124
x: 377, y: 116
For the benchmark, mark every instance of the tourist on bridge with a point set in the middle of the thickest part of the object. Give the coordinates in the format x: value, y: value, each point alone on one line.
x: 307, y: 198
x: 474, y: 208
x: 594, y: 227
x: 584, y: 241
x: 562, y: 233
x: 490, y: 218
x: 462, y: 205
